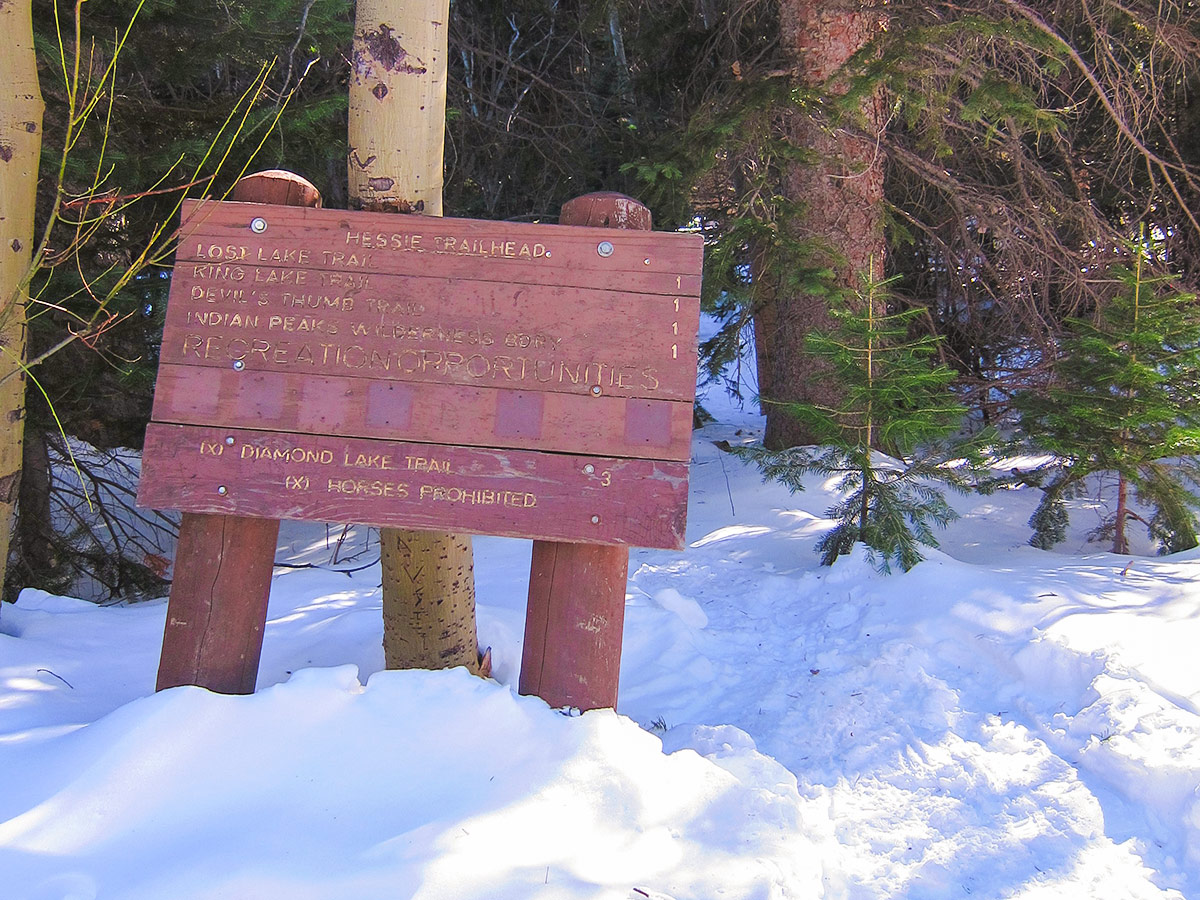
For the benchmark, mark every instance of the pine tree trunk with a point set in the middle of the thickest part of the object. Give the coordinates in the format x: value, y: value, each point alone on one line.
x: 397, y: 125
x: 842, y: 198
x: 1120, y: 544
x: 20, y: 143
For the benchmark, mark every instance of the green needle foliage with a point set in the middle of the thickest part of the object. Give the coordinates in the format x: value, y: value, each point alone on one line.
x: 1124, y: 398
x: 896, y: 400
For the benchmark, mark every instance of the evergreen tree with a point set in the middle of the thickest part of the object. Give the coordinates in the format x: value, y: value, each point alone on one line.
x: 894, y: 397
x: 1021, y: 136
x: 1123, y: 399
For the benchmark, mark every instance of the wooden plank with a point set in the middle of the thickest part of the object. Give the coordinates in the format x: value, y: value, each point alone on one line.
x: 433, y: 330
x: 512, y: 493
x: 433, y: 413
x: 576, y: 609
x: 509, y: 252
x: 573, y: 624
x: 218, y: 606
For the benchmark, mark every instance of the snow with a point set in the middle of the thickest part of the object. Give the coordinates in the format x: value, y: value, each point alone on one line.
x: 998, y: 722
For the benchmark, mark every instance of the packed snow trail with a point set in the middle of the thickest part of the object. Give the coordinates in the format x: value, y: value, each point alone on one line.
x: 959, y: 729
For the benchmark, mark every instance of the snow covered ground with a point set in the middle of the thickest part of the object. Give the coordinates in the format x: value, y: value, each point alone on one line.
x: 998, y: 722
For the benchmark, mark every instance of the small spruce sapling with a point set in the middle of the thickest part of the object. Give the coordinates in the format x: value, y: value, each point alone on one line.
x: 897, y: 400
x: 1124, y: 397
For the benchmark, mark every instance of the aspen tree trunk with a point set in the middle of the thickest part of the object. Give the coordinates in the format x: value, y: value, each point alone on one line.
x: 20, y: 143
x: 842, y: 197
x: 397, y: 126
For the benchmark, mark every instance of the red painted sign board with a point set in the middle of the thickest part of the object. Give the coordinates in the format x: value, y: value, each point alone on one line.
x: 550, y: 362
x: 324, y: 478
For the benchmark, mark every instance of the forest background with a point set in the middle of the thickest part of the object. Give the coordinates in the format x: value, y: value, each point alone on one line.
x: 1014, y: 173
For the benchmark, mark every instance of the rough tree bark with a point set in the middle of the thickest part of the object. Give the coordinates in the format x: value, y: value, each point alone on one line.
x: 397, y: 125
x: 841, y: 195
x: 20, y: 143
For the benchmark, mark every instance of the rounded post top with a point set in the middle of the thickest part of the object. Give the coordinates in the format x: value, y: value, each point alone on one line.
x: 606, y: 209
x: 276, y: 186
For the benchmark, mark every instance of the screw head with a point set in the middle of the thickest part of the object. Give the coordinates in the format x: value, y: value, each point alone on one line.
x: 239, y: 364
x: 596, y: 390
x: 605, y: 248
x: 258, y: 224
x: 589, y: 469
x: 229, y: 441
x: 595, y: 520
x: 646, y: 261
x: 222, y: 490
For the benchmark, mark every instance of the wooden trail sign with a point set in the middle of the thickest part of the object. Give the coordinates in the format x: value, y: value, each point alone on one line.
x: 496, y: 378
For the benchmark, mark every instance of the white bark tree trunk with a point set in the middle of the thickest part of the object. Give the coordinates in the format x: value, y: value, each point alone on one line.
x: 20, y: 144
x: 397, y: 133
x: 398, y: 105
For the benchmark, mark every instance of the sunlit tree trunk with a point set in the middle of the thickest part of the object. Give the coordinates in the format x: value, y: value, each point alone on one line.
x: 397, y: 125
x: 841, y: 195
x: 20, y: 143
x: 1120, y: 543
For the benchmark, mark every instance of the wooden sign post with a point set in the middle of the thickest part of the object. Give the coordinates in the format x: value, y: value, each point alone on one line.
x: 576, y: 610
x: 454, y: 375
x: 223, y: 563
